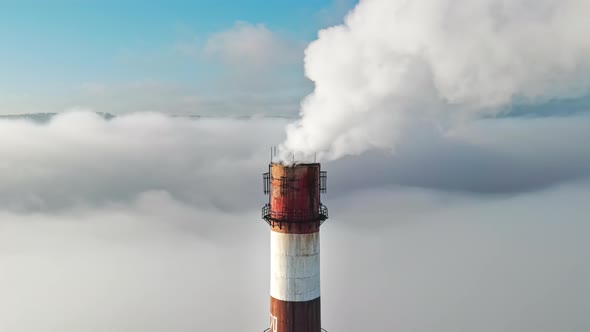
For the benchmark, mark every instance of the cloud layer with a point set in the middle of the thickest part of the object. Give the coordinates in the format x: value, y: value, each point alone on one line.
x: 151, y: 223
x: 254, y: 46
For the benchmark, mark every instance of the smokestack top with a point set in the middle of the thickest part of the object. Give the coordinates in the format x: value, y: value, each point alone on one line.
x: 294, y: 197
x: 282, y: 164
x: 281, y: 157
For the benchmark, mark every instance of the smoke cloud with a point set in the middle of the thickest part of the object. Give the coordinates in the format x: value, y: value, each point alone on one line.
x: 399, y: 66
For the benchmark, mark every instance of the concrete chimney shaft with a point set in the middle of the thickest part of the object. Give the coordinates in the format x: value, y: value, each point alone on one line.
x: 295, y: 213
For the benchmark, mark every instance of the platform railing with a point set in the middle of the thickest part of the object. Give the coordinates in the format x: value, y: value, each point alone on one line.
x: 294, y: 216
x: 268, y: 330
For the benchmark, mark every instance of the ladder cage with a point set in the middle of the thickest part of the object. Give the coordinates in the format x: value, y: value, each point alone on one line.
x: 286, y: 184
x: 323, y: 182
x: 266, y: 183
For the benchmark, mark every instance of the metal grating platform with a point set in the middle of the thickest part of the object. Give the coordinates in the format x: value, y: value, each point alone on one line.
x: 293, y: 216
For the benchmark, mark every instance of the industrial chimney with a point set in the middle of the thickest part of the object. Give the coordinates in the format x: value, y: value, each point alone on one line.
x: 294, y: 213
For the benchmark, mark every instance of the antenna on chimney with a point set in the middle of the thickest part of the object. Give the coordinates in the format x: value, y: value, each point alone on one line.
x: 273, y: 153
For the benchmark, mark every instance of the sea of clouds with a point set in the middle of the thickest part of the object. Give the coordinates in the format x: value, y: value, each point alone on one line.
x: 147, y: 222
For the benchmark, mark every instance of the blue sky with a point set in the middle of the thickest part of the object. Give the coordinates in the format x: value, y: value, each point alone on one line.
x: 58, y: 55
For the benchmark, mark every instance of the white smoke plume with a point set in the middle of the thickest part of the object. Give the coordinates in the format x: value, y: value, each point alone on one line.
x: 396, y: 65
